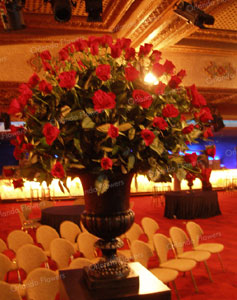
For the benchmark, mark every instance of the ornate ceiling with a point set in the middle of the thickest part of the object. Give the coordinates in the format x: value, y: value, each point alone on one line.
x: 143, y: 21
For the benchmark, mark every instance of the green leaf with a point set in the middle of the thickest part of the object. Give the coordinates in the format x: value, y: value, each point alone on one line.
x: 131, y: 162
x: 103, y: 128
x: 115, y: 149
x: 157, y: 146
x: 181, y: 174
x: 77, y: 145
x: 131, y: 133
x: 123, y: 169
x: 77, y: 166
x: 65, y: 110
x: 101, y: 184
x: 124, y: 126
x: 75, y: 115
x: 107, y: 149
x: 87, y: 123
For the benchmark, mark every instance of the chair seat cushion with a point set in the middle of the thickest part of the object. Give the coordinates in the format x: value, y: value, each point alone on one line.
x: 195, y: 255
x: 12, y: 276
x: 181, y: 265
x: 211, y: 247
x: 9, y: 253
x: 165, y: 275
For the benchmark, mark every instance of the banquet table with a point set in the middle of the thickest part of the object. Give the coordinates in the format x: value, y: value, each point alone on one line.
x: 54, y: 216
x: 191, y: 204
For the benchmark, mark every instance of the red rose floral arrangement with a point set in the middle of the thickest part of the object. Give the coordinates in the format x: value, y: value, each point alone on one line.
x: 94, y: 112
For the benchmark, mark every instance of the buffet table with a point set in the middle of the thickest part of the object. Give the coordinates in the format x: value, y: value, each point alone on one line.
x: 191, y: 205
x: 54, y: 216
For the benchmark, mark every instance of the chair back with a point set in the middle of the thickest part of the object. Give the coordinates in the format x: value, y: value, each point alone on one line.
x: 162, y: 246
x: 3, y: 246
x: 195, y: 232
x: 46, y: 284
x: 30, y: 257
x: 60, y: 251
x: 83, y: 229
x: 7, y: 292
x: 179, y: 238
x: 69, y: 231
x: 5, y: 265
x: 141, y: 252
x: 150, y: 226
x: 79, y: 263
x: 18, y: 238
x: 85, y: 242
x: 133, y: 233
x: 45, y: 235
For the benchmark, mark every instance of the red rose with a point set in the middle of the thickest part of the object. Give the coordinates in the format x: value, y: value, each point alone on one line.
x: 148, y: 136
x: 170, y: 111
x: 144, y: 50
x: 63, y: 54
x: 191, y: 158
x: 93, y: 40
x: 17, y: 153
x: 142, y: 98
x: 14, y: 107
x: 125, y: 43
x: 182, y: 117
x: 106, y: 40
x: 33, y: 80
x: 130, y: 53
x: 158, y: 69
x: 115, y: 51
x: 160, y: 123
x: 206, y: 173
x: 174, y: 82
x: 25, y: 91
x: 50, y: 132
x: 169, y: 67
x: 67, y: 79
x: 103, y: 72
x: 160, y: 88
x: 188, y: 129
x: 81, y: 65
x: 190, y: 177
x: 211, y: 151
x: 58, y: 170
x: 131, y: 73
x: 80, y: 44
x: 27, y: 147
x: 106, y: 163
x: 103, y: 100
x: 205, y: 115
x: 45, y: 55
x: 113, y: 131
x: 181, y: 74
x: 94, y: 48
x: 197, y: 99
x: 208, y: 133
x: 45, y: 87
x: 18, y: 183
x: 8, y: 172
x: 156, y: 55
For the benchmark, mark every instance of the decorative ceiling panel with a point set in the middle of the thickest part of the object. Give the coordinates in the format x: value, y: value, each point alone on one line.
x: 227, y: 18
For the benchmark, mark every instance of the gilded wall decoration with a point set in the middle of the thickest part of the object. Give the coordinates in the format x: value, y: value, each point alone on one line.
x: 223, y: 71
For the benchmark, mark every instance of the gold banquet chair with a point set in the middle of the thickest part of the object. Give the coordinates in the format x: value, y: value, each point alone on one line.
x: 45, y: 235
x: 18, y: 238
x: 30, y: 257
x: 85, y: 242
x: 179, y: 239
x: 3, y: 246
x: 79, y: 263
x: 162, y: 245
x: 61, y: 251
x: 47, y: 287
x: 195, y: 232
x: 7, y: 292
x: 150, y: 226
x: 70, y: 231
x: 142, y: 252
x: 6, y: 265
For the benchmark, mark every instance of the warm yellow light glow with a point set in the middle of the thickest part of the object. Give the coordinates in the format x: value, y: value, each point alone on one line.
x: 33, y: 190
x: 151, y: 79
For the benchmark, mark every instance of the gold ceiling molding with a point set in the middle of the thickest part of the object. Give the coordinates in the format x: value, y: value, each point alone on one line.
x: 219, y: 95
x: 215, y: 35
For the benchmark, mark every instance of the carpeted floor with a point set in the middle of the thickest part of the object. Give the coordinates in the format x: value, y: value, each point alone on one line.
x: 222, y: 229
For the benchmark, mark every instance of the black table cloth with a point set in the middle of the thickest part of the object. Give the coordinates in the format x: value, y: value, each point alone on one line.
x: 191, y: 205
x: 54, y: 216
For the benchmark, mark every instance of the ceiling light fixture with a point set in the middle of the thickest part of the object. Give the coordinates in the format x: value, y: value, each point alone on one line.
x: 11, y: 14
x: 94, y: 8
x: 62, y: 9
x: 193, y: 14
